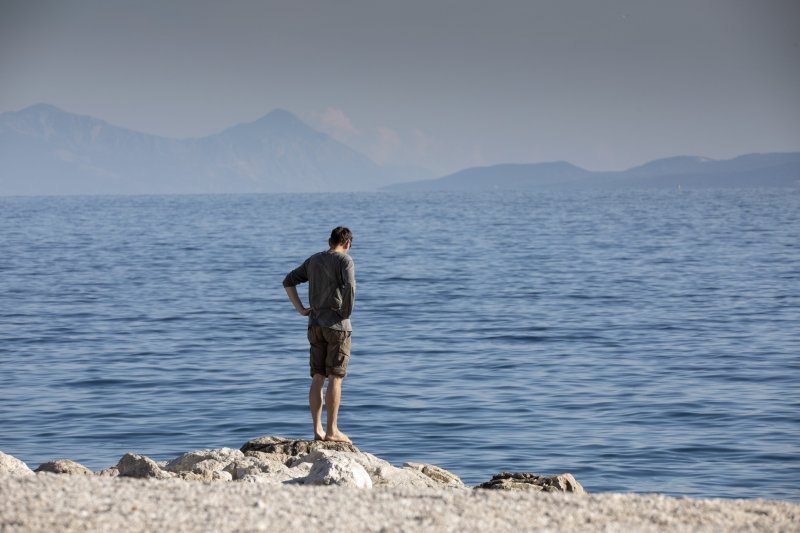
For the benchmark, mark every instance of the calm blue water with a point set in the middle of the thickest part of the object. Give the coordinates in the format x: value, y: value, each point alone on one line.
x: 642, y: 340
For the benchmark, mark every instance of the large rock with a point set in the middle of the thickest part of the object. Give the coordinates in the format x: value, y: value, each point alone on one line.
x: 108, y: 472
x: 252, y: 470
x: 381, y: 472
x: 438, y: 474
x: 294, y: 448
x: 214, y: 475
x: 366, y: 460
x: 245, y: 466
x: 528, y: 481
x: 412, y: 477
x: 258, y: 478
x: 221, y: 476
x: 11, y: 466
x: 340, y: 469
x: 295, y: 453
x: 207, y: 464
x: 265, y: 456
x: 64, y: 466
x: 134, y: 465
x: 300, y: 470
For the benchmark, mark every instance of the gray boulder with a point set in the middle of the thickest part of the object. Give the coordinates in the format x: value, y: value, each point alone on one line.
x: 108, y: 472
x: 207, y: 464
x: 11, y: 466
x: 140, y: 466
x: 265, y: 456
x: 191, y: 476
x: 300, y: 470
x: 381, y: 472
x: 214, y: 475
x: 255, y: 466
x: 271, y: 472
x: 64, y: 466
x: 221, y: 476
x: 339, y: 469
x: 438, y: 474
x: 266, y: 479
x: 529, y: 481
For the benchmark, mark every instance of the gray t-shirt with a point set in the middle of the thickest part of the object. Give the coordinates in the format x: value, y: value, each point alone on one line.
x: 331, y: 280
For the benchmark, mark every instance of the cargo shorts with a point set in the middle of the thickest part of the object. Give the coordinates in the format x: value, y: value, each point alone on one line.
x: 330, y: 351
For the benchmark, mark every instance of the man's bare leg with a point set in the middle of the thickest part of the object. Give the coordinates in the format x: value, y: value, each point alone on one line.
x: 332, y: 398
x: 315, y: 401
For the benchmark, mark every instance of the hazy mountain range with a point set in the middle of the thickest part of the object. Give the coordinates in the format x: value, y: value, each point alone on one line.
x: 753, y: 170
x: 44, y: 150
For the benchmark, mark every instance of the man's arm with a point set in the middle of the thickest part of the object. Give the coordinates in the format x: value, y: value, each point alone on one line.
x: 295, y: 299
x: 349, y: 290
x: 293, y: 278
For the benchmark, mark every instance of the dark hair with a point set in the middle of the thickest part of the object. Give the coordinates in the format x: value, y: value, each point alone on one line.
x: 341, y: 235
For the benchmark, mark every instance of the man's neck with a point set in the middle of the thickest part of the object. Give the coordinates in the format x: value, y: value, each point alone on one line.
x: 339, y: 249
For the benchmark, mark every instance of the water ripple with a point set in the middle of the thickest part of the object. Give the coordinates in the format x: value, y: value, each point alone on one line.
x: 642, y: 340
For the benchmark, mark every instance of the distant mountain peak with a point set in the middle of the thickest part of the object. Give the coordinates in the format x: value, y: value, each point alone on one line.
x: 36, y: 110
x: 42, y: 108
x: 279, y: 117
x: 46, y: 150
x: 277, y: 121
x: 280, y: 114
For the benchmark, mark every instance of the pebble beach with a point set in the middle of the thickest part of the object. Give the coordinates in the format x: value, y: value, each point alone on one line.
x: 52, y: 502
x: 278, y: 484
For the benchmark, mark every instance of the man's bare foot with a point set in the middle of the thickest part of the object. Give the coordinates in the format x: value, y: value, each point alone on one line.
x: 338, y: 437
x: 319, y: 436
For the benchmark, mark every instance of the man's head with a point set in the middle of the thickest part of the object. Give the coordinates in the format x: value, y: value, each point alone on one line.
x: 341, y: 237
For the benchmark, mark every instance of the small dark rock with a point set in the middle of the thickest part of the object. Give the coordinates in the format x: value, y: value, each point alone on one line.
x: 64, y: 466
x: 529, y: 481
x: 294, y: 448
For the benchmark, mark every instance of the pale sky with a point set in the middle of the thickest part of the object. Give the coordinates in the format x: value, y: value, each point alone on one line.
x: 434, y: 83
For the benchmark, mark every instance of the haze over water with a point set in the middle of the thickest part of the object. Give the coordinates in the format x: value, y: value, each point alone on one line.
x: 643, y: 340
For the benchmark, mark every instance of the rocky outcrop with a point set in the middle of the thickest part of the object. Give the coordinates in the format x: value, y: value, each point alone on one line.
x: 528, y: 481
x: 277, y: 461
x: 325, y: 463
x: 292, y: 447
x: 265, y: 470
x: 381, y: 472
x: 205, y: 465
x: 11, y: 466
x: 64, y: 466
x: 140, y: 466
x: 226, y: 464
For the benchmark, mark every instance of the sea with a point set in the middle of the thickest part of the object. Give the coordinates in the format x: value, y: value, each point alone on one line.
x: 643, y: 340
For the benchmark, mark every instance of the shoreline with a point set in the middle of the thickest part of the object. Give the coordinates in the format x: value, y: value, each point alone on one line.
x: 52, y: 502
x: 272, y: 483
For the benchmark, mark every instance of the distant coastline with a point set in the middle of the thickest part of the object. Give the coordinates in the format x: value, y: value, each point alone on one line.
x: 751, y: 170
x: 47, y: 151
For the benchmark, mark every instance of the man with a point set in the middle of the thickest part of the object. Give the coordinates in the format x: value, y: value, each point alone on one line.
x: 331, y: 295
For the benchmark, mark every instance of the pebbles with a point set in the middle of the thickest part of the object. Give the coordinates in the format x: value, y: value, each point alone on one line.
x: 283, y: 484
x: 91, y: 503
